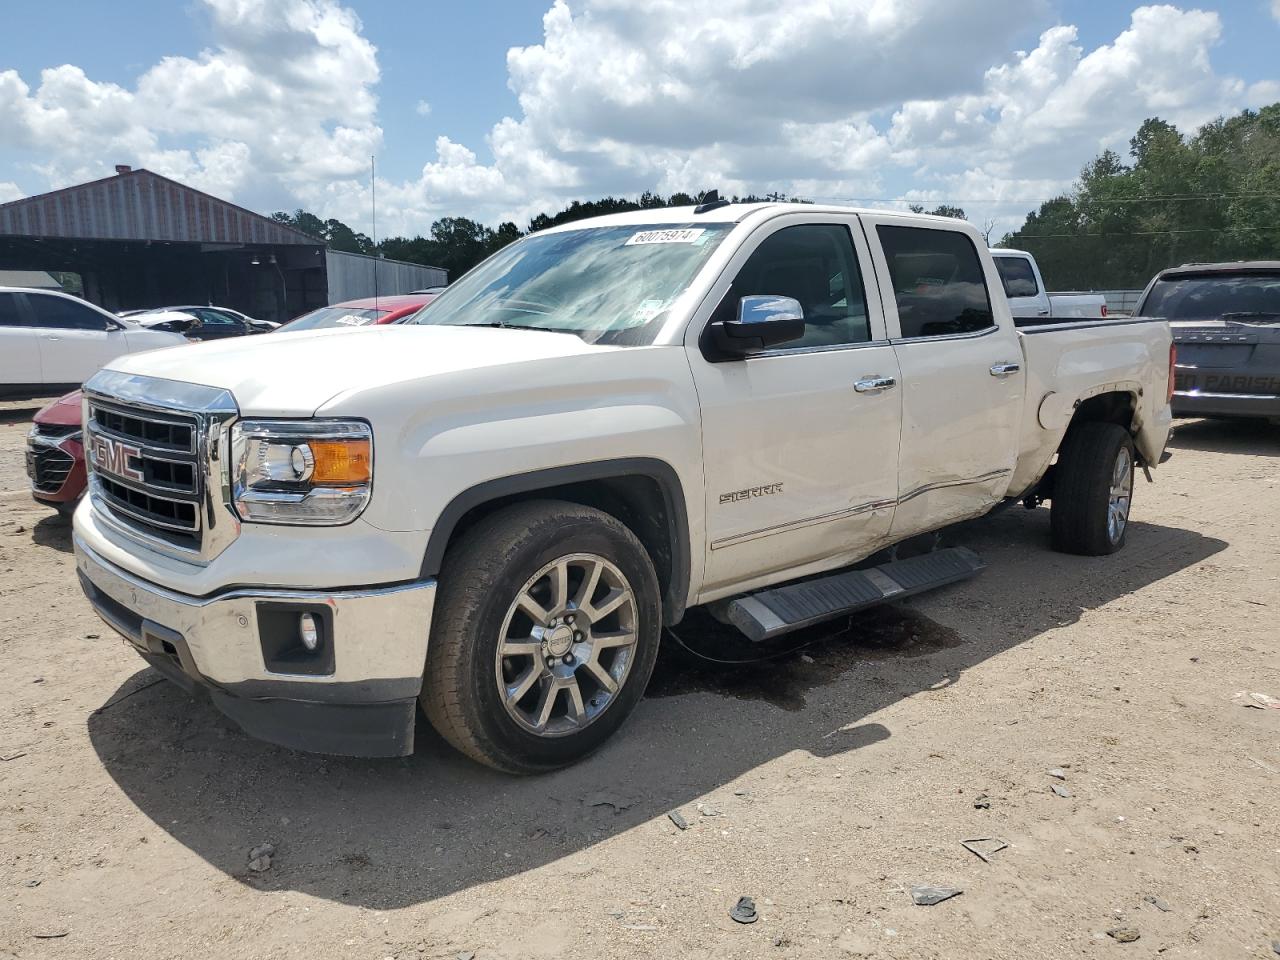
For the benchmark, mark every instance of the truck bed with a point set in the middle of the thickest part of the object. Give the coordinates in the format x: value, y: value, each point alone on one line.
x: 1067, y: 363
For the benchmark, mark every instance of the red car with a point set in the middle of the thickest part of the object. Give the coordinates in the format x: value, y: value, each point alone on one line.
x: 55, y: 455
x: 361, y: 313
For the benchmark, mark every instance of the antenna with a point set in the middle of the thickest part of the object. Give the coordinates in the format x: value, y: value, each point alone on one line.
x: 373, y: 215
x: 710, y: 201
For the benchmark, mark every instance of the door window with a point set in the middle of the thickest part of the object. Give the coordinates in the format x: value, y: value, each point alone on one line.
x: 11, y: 314
x: 938, y: 282
x: 1017, y: 276
x: 63, y: 314
x: 215, y: 318
x: 816, y: 265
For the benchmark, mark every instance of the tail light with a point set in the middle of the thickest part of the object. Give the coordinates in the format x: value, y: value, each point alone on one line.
x: 1173, y: 362
x: 1104, y: 310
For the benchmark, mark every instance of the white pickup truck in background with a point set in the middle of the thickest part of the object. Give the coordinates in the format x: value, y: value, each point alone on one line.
x: 494, y: 507
x: 1030, y: 302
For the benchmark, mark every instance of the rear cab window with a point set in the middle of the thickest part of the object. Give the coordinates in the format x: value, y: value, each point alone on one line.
x: 1018, y: 277
x: 938, y: 282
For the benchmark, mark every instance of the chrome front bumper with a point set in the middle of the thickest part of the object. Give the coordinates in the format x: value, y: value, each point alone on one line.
x: 364, y: 705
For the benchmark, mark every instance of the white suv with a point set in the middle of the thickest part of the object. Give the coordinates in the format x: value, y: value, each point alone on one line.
x: 53, y: 342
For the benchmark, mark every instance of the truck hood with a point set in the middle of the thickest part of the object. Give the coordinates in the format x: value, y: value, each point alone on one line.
x: 294, y: 374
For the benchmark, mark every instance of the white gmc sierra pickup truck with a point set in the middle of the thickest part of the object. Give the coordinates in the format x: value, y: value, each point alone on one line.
x: 1030, y: 302
x: 494, y: 508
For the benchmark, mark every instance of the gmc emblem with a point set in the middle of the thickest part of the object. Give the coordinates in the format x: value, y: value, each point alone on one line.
x: 112, y: 456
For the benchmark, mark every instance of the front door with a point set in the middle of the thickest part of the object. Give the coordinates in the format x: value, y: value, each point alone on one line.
x: 962, y: 378
x: 75, y: 341
x: 800, y: 448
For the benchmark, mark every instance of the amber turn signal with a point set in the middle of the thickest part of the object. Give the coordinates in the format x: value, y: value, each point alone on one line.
x: 341, y: 462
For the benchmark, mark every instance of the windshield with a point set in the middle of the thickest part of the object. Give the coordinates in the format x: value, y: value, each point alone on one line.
x: 603, y: 284
x: 1243, y: 297
x: 333, y: 317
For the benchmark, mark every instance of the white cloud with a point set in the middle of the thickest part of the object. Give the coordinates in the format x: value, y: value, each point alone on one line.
x: 10, y: 191
x: 836, y: 98
x: 284, y: 99
x: 1275, y: 9
x: 839, y: 99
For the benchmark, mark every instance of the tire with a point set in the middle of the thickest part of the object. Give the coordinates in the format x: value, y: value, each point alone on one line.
x: 1092, y: 490
x: 517, y: 713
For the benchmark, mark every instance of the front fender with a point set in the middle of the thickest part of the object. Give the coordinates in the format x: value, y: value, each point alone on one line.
x: 443, y: 441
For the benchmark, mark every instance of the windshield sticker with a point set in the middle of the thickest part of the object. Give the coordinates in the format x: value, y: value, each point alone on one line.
x: 688, y: 235
x: 648, y: 310
x: 353, y: 320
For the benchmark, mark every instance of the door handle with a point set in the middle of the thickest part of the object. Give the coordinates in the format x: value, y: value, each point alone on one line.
x: 1004, y: 369
x: 53, y: 339
x: 1042, y: 312
x: 874, y: 384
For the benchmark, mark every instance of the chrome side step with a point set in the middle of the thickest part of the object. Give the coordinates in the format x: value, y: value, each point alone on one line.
x: 778, y: 610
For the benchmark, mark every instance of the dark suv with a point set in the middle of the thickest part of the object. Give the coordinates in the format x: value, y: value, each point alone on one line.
x: 1226, y: 325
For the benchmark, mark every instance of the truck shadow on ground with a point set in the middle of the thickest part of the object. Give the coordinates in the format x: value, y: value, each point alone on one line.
x: 54, y: 532
x: 1255, y: 437
x: 387, y: 834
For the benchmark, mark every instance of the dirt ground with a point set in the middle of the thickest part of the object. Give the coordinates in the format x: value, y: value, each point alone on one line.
x: 825, y: 785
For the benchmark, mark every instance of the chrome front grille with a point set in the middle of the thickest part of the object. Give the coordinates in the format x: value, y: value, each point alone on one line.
x: 145, y: 468
x: 156, y: 452
x: 55, y: 431
x: 155, y: 431
x: 48, y: 467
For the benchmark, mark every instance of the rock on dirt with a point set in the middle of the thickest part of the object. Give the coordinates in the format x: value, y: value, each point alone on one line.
x: 927, y: 896
x: 260, y: 857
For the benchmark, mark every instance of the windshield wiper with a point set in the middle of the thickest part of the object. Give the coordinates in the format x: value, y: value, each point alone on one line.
x: 1247, y: 315
x: 504, y: 325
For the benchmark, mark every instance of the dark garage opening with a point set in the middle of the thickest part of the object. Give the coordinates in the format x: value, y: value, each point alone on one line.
x: 140, y: 240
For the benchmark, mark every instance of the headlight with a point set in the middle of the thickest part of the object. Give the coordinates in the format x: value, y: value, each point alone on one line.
x: 301, y: 471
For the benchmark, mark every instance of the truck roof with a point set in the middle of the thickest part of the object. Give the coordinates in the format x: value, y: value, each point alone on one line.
x: 729, y: 213
x: 1232, y: 266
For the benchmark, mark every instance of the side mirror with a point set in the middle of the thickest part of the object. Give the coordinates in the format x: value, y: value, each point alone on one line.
x: 763, y: 321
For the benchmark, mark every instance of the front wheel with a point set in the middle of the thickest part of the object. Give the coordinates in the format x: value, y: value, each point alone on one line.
x: 1092, y: 490
x: 545, y: 634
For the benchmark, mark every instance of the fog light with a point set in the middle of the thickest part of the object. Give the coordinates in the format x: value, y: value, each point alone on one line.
x: 308, y: 631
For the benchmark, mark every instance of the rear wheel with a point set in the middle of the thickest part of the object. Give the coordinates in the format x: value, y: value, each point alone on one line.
x: 1092, y: 490
x: 545, y: 634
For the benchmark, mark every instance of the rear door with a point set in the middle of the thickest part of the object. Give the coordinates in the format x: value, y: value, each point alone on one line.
x: 19, y: 343
x: 75, y: 340
x: 1023, y: 287
x: 800, y: 447
x: 961, y: 364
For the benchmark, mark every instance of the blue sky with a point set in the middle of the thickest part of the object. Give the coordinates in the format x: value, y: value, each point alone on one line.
x: 278, y: 104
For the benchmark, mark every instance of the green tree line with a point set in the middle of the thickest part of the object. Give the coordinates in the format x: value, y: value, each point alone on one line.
x: 1210, y: 196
